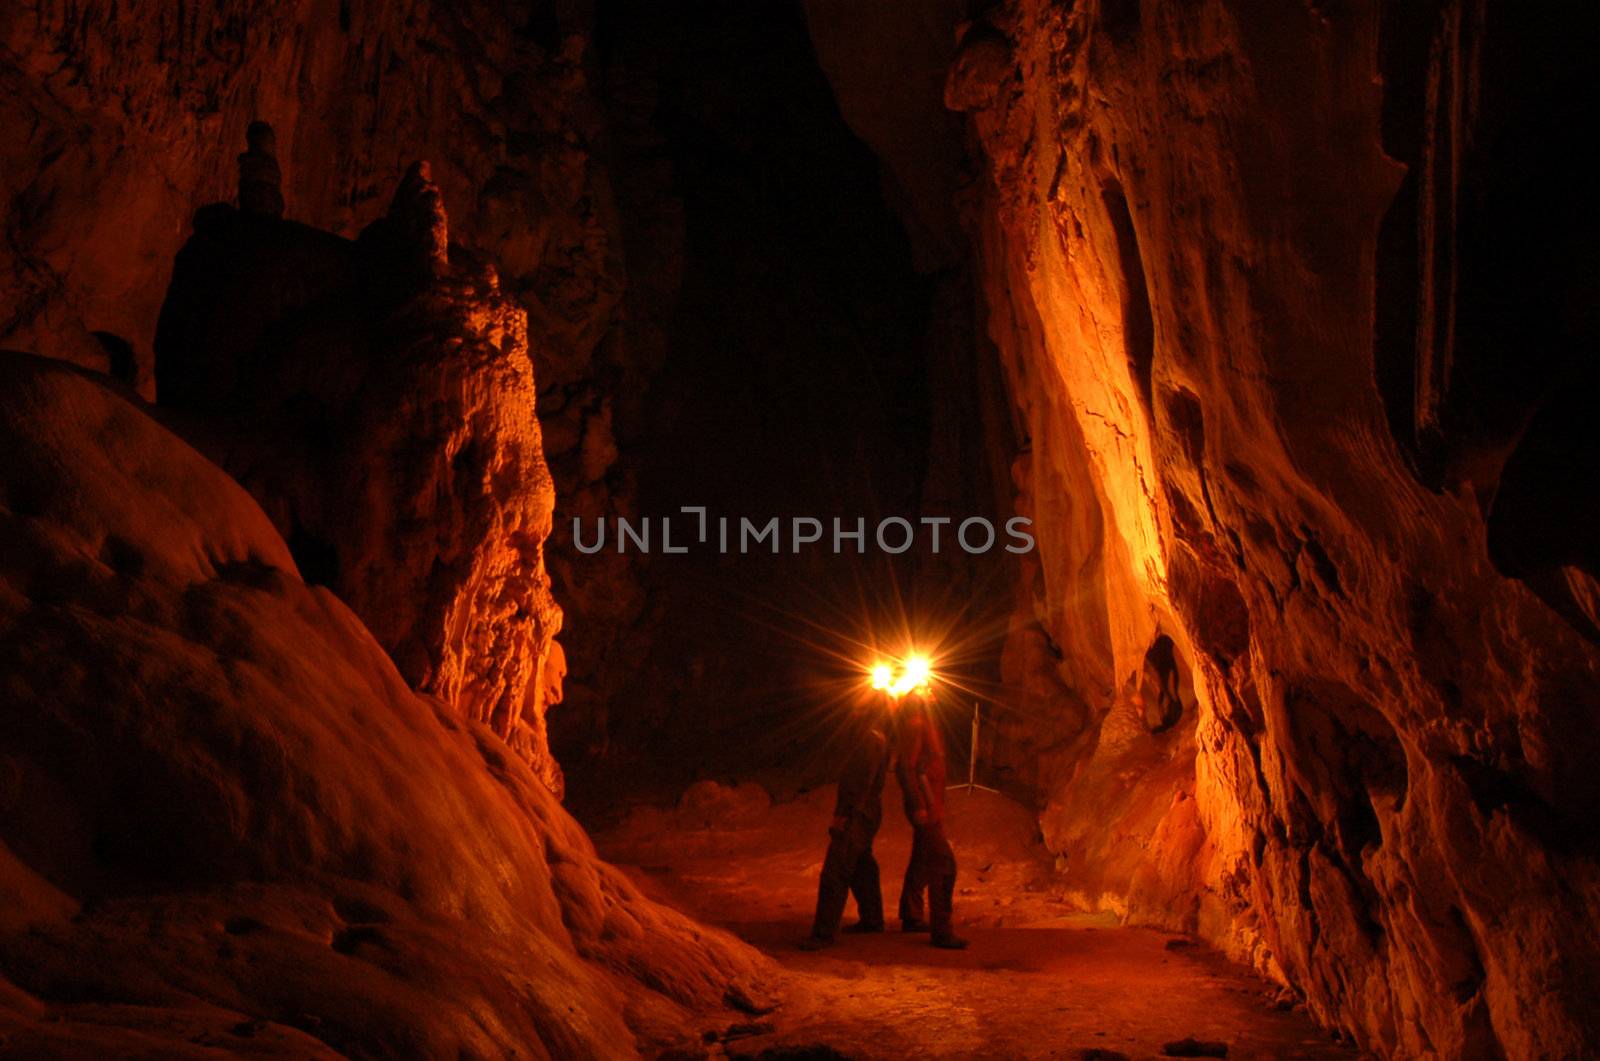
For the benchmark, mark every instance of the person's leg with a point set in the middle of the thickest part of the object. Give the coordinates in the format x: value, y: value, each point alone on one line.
x: 865, y: 886
x: 911, y: 909
x: 941, y: 877
x: 833, y: 887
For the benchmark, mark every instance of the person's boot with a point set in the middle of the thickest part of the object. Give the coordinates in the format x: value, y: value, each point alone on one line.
x: 912, y: 925
x: 949, y: 940
x: 863, y: 926
x: 816, y: 942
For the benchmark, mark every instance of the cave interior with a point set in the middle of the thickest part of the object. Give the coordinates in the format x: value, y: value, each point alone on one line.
x: 391, y: 392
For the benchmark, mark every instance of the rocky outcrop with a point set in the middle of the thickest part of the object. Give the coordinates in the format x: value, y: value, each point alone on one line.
x: 1203, y: 232
x: 379, y: 402
x: 213, y: 781
x: 128, y: 121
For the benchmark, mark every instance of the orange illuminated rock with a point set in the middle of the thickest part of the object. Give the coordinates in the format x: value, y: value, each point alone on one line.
x: 1297, y: 387
x: 129, y: 118
x: 1193, y: 234
x: 226, y: 820
x: 1286, y: 298
x: 380, y: 404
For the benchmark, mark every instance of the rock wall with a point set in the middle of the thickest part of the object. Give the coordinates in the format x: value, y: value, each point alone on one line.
x: 132, y: 118
x: 129, y: 119
x: 1294, y: 383
x: 1195, y: 265
x: 228, y: 825
x: 377, y: 399
x: 591, y: 449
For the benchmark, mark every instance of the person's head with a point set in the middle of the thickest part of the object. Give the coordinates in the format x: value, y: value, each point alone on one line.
x: 917, y: 702
x: 868, y: 710
x: 880, y: 714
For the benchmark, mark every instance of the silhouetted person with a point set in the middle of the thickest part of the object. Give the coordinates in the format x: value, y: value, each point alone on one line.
x: 849, y: 868
x: 932, y: 868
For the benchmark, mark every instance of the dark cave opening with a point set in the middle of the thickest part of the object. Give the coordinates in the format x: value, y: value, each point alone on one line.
x: 1480, y: 351
x: 1163, y: 686
x: 1138, y: 327
x: 794, y: 383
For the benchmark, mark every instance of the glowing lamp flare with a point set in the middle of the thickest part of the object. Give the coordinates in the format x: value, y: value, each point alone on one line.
x: 914, y: 672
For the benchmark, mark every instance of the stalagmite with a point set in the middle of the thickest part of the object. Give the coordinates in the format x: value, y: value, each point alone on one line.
x: 417, y: 213
x: 260, y: 181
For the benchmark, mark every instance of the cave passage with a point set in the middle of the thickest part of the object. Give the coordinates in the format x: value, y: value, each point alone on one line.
x: 361, y: 365
x: 794, y: 384
x: 800, y: 376
x: 1042, y: 979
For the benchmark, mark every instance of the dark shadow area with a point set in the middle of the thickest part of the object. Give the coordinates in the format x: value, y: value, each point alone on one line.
x: 795, y: 385
x: 1487, y: 279
x: 1138, y: 325
x: 1161, y: 687
x: 123, y: 364
x: 1484, y: 352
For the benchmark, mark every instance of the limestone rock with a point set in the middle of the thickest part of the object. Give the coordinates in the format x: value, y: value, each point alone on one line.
x: 980, y: 69
x: 260, y: 178
x: 381, y: 406
x: 214, y: 781
x: 1259, y: 424
x: 417, y: 214
x: 128, y: 119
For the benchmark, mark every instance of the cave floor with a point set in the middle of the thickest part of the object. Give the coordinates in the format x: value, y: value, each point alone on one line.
x: 1040, y: 979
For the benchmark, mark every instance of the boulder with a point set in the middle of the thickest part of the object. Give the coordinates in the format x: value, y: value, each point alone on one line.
x: 226, y: 821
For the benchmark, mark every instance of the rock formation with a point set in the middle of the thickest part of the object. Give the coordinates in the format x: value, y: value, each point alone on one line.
x: 1276, y: 321
x: 420, y: 228
x: 137, y: 112
x: 1382, y: 778
x: 260, y: 178
x: 127, y: 120
x: 380, y: 404
x: 1251, y: 271
x: 214, y: 781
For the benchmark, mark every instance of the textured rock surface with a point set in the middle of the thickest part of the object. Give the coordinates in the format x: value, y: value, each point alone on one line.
x: 1292, y: 383
x: 129, y: 119
x: 215, y: 783
x: 379, y: 402
x: 1384, y: 775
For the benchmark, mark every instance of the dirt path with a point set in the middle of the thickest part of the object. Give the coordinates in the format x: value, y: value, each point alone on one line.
x: 1039, y: 981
